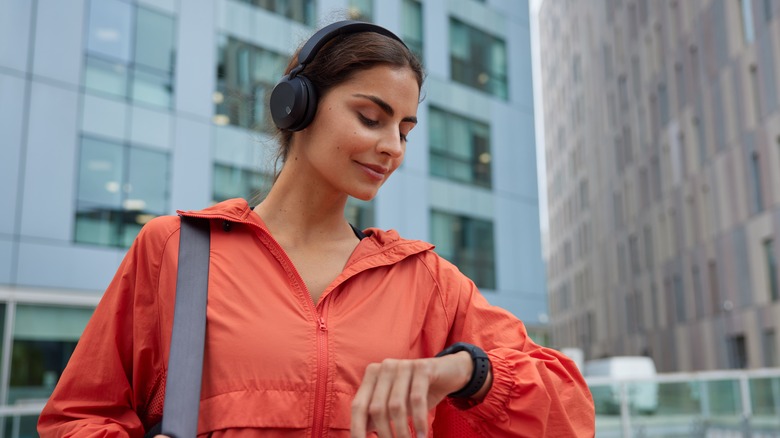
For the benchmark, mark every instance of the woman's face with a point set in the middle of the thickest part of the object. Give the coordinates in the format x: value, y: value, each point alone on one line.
x: 358, y: 136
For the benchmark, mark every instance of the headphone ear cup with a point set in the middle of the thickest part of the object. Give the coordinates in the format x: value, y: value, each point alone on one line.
x: 310, y: 96
x: 293, y: 103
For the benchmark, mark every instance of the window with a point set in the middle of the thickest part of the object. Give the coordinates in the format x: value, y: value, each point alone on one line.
x: 246, y: 75
x: 680, y: 78
x: 649, y: 247
x: 361, y: 10
x: 756, y: 90
x: 746, y: 15
x: 702, y: 141
x: 130, y: 53
x: 679, y: 297
x: 714, y: 287
x: 633, y: 253
x: 301, y: 11
x: 584, y: 201
x: 697, y: 291
x: 467, y: 243
x: 478, y: 59
x: 412, y: 26
x: 663, y: 105
x: 771, y: 268
x: 234, y: 182
x: 737, y: 351
x: 44, y: 339
x: 120, y: 188
x: 755, y: 167
x: 770, y: 348
x: 656, y: 308
x: 460, y: 148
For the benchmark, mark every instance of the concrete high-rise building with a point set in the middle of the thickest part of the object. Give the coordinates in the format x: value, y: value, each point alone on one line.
x: 115, y: 111
x: 662, y: 126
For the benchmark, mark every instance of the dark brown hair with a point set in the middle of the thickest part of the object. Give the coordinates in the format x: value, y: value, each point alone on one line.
x: 340, y: 59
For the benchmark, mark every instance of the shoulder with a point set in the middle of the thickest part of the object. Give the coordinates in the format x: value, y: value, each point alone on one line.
x: 159, y: 229
x: 155, y: 236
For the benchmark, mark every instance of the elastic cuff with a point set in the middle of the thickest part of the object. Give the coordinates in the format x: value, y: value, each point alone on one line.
x: 494, y: 405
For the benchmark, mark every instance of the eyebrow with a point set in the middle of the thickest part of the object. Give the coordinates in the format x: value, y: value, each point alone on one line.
x: 385, y: 107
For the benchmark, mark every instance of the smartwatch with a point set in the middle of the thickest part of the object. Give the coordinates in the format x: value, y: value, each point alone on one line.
x: 481, y: 368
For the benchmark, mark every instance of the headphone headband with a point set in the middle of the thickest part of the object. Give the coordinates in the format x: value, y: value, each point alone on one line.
x: 327, y: 33
x: 294, y: 99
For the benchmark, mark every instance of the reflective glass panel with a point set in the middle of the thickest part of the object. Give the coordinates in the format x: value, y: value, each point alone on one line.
x: 44, y: 339
x: 109, y: 29
x: 109, y: 77
x: 468, y: 244
x: 100, y: 172
x: 245, y: 77
x: 460, y: 148
x: 152, y: 88
x: 478, y: 59
x: 233, y: 182
x: 154, y: 40
x: 147, y: 186
x: 412, y: 26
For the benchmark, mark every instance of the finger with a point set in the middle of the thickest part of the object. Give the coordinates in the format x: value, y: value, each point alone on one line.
x: 361, y: 401
x: 398, y: 401
x: 377, y: 408
x: 418, y: 396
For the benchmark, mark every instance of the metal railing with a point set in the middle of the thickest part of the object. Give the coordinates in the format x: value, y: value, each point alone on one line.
x: 18, y: 420
x: 712, y: 404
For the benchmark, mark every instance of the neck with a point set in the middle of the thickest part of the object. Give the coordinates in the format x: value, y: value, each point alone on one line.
x: 300, y: 210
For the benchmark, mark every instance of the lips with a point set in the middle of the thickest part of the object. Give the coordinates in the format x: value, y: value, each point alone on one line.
x: 375, y: 170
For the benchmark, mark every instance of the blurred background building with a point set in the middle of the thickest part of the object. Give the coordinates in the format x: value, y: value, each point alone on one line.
x: 115, y: 111
x: 662, y: 132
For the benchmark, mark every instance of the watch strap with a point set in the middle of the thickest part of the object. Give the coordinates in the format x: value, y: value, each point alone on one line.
x: 481, y: 368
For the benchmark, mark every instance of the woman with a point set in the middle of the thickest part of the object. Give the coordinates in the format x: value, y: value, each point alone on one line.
x: 316, y: 328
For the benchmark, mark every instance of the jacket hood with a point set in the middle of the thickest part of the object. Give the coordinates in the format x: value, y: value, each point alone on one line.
x: 380, y: 247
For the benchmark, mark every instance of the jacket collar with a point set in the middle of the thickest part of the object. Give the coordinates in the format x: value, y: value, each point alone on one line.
x: 381, y: 247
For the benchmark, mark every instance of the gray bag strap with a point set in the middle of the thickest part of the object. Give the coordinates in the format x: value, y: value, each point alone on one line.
x: 185, y: 362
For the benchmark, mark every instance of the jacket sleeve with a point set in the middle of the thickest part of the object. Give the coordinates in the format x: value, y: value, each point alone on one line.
x: 536, y: 391
x: 108, y: 384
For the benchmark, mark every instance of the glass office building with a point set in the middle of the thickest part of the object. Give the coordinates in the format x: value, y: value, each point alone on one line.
x: 113, y: 112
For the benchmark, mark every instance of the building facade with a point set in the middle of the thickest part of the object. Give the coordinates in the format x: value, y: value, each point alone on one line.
x: 113, y: 112
x: 662, y: 131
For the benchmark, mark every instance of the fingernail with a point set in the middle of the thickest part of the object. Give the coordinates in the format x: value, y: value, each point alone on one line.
x: 421, y: 435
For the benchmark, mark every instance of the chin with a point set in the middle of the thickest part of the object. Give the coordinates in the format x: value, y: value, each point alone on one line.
x: 366, y: 195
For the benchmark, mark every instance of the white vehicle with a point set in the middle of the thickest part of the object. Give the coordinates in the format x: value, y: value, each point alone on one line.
x: 638, y: 372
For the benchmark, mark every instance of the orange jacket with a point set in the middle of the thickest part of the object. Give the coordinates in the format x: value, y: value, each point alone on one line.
x: 276, y: 364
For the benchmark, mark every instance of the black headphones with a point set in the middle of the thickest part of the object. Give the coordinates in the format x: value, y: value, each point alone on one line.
x: 294, y: 98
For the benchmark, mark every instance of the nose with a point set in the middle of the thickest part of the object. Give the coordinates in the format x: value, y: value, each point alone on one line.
x: 391, y: 145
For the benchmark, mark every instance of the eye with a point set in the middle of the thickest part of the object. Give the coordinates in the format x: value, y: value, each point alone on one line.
x: 368, y: 122
x: 404, y: 138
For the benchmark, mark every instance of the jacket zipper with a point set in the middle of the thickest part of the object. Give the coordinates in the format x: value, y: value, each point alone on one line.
x: 320, y: 393
x: 322, y: 373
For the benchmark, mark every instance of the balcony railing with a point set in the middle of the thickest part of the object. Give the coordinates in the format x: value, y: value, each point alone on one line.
x: 716, y: 404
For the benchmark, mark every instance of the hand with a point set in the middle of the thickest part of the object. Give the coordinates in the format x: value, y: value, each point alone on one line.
x: 394, y: 390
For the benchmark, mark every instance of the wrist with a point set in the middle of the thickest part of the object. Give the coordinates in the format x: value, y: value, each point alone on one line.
x: 480, y: 374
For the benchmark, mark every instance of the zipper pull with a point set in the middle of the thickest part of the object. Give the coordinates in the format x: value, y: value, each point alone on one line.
x: 322, y: 323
